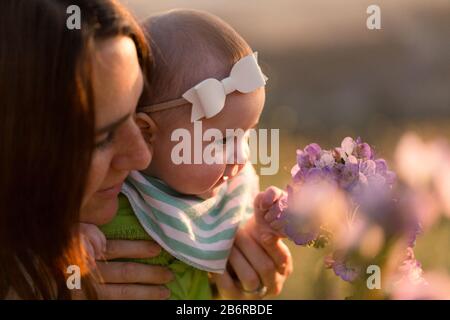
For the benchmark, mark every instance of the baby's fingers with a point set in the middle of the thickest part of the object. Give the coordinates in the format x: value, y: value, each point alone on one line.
x: 271, y: 195
x: 278, y: 226
x: 267, y: 198
x: 274, y: 212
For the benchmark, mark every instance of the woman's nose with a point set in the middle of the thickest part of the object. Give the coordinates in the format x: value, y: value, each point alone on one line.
x: 135, y: 154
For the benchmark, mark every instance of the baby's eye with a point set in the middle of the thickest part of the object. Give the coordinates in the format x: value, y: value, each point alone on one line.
x: 226, y: 140
x: 103, y: 144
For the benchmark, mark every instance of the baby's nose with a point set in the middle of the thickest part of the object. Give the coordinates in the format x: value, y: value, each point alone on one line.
x: 240, y: 154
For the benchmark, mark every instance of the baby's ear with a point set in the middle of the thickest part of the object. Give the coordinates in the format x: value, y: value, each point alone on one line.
x: 147, y: 125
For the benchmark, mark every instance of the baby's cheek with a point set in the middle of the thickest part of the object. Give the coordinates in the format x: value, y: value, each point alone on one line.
x: 193, y: 179
x: 206, y: 176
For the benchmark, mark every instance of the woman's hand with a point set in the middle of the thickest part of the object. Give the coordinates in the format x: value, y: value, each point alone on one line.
x: 255, y: 264
x: 128, y: 280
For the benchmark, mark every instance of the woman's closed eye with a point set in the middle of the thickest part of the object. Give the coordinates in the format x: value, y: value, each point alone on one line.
x: 109, y: 132
x: 105, y: 142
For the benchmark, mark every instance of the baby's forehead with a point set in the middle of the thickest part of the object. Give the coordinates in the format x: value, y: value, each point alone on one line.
x: 240, y: 111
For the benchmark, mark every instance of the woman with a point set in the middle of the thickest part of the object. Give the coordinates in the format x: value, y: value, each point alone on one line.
x: 66, y: 123
x: 61, y: 157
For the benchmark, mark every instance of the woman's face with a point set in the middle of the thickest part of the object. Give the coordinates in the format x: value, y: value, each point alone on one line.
x: 120, y: 148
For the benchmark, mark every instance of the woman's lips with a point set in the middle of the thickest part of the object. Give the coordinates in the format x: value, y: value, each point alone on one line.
x: 111, y: 192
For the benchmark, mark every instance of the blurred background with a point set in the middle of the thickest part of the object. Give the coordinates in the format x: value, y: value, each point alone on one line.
x: 331, y: 77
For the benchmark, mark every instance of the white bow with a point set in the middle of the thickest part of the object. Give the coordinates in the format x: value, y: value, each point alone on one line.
x: 208, y: 97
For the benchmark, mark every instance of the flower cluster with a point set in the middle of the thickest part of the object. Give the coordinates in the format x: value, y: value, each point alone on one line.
x: 336, y: 197
x: 352, y: 166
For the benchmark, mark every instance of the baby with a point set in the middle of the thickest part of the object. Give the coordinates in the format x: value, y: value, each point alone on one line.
x: 205, y: 76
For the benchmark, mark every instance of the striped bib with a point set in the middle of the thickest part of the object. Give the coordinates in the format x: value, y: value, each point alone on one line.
x: 196, y: 231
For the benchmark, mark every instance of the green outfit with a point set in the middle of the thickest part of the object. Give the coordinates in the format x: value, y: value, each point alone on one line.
x: 189, y: 283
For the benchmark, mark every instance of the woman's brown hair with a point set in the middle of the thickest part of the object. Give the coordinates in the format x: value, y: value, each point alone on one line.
x: 47, y: 136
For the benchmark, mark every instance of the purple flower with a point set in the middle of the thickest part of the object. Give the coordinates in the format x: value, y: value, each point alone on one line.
x: 381, y: 166
x: 356, y: 148
x: 308, y: 156
x: 349, y: 175
x: 332, y: 191
x: 314, y: 174
x: 313, y: 150
x: 303, y: 159
x: 382, y: 169
x: 342, y: 267
x: 394, y: 212
x: 300, y: 238
x: 364, y: 151
x: 352, y: 168
x: 348, y: 145
x: 410, y: 269
x: 298, y: 224
x: 368, y: 167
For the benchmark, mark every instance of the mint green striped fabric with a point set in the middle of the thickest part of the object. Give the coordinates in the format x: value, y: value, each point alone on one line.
x: 196, y: 231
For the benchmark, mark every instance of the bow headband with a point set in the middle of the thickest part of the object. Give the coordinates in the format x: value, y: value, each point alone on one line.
x: 208, y: 97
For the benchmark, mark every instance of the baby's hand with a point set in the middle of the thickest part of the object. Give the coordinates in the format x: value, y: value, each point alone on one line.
x: 94, y: 241
x: 268, y: 206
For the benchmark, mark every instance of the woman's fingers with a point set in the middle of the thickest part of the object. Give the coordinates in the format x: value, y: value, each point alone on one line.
x: 247, y: 275
x: 228, y: 288
x: 130, y: 272
x: 131, y: 292
x: 98, y: 241
x: 94, y: 240
x: 258, y: 258
x: 131, y: 249
x: 128, y: 280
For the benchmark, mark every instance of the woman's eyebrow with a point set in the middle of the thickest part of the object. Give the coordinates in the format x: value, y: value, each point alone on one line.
x: 114, y: 125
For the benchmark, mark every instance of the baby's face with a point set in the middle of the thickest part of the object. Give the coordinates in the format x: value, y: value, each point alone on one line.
x: 241, y: 111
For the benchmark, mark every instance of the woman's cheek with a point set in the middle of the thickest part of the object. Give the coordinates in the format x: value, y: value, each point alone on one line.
x: 97, y: 174
x: 91, y: 181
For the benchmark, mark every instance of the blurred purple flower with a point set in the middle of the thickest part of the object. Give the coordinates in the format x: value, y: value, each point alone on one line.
x: 342, y: 268
x: 364, y: 151
x: 351, y: 166
x: 349, y: 175
x: 300, y: 238
x: 367, y: 186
